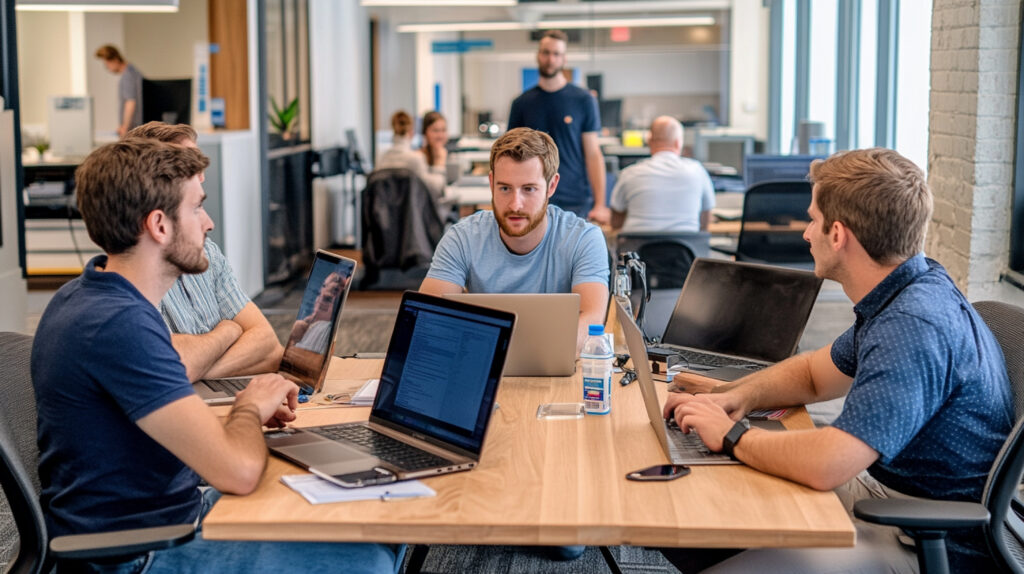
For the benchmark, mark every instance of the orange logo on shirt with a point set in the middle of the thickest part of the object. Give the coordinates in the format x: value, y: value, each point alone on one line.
x: 567, y: 120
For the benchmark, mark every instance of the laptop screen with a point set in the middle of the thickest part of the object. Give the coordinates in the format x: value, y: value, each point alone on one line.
x: 755, y: 311
x: 442, y: 370
x: 310, y: 342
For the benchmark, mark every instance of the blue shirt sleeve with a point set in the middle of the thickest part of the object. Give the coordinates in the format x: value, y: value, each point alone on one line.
x: 149, y: 373
x: 899, y: 386
x: 515, y: 115
x: 451, y: 260
x: 590, y: 261
x: 592, y: 116
x: 844, y: 353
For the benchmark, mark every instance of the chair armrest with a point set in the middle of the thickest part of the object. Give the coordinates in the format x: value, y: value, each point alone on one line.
x: 120, y: 543
x: 911, y: 514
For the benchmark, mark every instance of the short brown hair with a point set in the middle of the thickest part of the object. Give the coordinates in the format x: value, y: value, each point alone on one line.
x: 522, y: 144
x: 881, y: 196
x: 168, y: 133
x: 401, y: 123
x: 120, y: 184
x: 556, y: 35
x: 109, y: 53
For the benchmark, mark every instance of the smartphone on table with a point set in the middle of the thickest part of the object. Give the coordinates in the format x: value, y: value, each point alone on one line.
x: 659, y: 472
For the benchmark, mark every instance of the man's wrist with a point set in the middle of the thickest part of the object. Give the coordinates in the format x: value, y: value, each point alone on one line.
x: 732, y: 438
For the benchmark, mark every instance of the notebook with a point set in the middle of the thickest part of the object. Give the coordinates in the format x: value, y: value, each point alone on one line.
x: 436, y: 394
x: 733, y: 318
x: 679, y: 447
x: 311, y: 342
x: 544, y: 341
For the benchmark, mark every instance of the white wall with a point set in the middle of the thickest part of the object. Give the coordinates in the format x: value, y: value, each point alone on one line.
x: 12, y: 286
x: 102, y: 29
x: 160, y: 45
x: 44, y: 64
x: 748, y: 75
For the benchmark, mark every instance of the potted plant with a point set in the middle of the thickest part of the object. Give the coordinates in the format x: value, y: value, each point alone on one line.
x: 282, y: 120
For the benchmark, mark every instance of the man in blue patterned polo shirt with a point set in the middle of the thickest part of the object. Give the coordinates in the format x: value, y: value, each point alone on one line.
x: 217, y: 330
x: 928, y: 401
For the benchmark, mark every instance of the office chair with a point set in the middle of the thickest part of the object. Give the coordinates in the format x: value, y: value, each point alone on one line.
x: 19, y: 480
x: 668, y: 257
x: 772, y: 229
x: 1000, y: 512
x: 401, y: 224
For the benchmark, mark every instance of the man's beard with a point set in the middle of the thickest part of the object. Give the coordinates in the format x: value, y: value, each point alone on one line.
x: 547, y: 75
x: 535, y: 219
x: 187, y: 259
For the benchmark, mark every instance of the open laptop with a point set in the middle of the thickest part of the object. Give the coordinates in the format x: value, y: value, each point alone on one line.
x: 311, y: 342
x: 680, y: 447
x: 732, y: 318
x: 544, y: 341
x: 434, y: 401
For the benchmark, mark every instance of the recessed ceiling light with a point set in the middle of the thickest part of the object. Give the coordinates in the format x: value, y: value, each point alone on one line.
x: 97, y: 6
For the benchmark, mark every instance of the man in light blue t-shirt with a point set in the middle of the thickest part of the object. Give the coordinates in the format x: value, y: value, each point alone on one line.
x: 524, y: 245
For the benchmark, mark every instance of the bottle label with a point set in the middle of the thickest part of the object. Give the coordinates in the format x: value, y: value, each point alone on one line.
x: 595, y: 391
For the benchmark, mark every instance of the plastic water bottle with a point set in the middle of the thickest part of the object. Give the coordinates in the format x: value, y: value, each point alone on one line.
x: 597, y: 372
x: 623, y: 289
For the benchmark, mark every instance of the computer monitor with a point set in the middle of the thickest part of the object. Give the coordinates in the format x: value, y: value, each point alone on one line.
x: 725, y: 150
x: 762, y: 168
x: 355, y: 157
x: 168, y: 101
x: 611, y: 115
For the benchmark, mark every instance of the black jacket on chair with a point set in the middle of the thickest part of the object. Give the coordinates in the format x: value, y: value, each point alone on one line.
x: 401, y: 225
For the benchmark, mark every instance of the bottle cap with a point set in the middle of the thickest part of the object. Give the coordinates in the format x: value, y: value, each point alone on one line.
x: 596, y: 330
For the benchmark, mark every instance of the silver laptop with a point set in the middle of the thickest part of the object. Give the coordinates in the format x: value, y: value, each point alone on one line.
x: 311, y: 342
x: 544, y: 341
x: 733, y: 318
x: 436, y: 394
x: 680, y: 447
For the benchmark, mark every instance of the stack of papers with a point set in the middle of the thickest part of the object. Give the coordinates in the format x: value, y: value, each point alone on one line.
x: 319, y: 491
x: 365, y: 395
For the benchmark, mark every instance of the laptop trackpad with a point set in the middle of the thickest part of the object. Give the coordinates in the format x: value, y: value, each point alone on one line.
x: 326, y: 455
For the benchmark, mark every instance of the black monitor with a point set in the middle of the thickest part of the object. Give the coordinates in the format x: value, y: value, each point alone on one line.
x: 611, y: 114
x: 168, y: 101
x: 762, y: 168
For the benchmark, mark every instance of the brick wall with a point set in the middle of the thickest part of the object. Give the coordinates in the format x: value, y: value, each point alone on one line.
x: 971, y: 139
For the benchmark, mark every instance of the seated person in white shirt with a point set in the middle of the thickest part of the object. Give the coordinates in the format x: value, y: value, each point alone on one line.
x: 666, y: 192
x: 401, y: 155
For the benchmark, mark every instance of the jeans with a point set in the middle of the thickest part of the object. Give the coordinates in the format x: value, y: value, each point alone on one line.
x: 201, y: 555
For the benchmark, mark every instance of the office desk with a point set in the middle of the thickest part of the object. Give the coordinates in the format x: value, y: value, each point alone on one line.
x: 549, y: 483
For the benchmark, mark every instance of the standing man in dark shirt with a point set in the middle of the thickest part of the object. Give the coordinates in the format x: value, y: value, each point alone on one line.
x: 129, y: 88
x: 569, y: 114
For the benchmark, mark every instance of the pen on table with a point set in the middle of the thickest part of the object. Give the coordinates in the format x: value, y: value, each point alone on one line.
x: 388, y: 496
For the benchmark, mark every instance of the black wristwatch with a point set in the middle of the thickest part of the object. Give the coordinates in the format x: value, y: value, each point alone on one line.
x: 732, y: 437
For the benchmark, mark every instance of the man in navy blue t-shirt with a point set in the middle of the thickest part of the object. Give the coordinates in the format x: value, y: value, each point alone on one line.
x: 123, y: 438
x: 569, y: 114
x: 928, y: 400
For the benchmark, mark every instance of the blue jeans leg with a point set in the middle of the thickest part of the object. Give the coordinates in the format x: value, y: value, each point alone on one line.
x: 202, y: 555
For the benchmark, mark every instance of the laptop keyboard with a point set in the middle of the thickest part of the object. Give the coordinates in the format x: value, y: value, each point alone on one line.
x: 706, y: 359
x: 398, y: 453
x: 230, y: 387
x: 689, y: 447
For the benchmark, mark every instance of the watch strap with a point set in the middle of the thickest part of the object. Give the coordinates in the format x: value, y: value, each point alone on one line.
x: 732, y: 437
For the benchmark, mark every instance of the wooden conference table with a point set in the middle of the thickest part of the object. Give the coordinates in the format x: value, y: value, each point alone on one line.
x: 547, y: 482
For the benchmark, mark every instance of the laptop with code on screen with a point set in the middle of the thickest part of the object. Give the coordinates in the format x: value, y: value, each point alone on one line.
x: 434, y: 401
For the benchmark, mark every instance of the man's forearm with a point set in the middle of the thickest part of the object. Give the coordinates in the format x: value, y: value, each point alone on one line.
x: 199, y: 352
x: 820, y: 458
x: 782, y: 384
x: 256, y: 351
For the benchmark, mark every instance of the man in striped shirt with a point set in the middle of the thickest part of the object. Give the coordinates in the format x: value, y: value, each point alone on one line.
x: 216, y: 329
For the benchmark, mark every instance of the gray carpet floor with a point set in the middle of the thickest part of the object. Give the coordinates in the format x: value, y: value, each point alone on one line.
x: 369, y: 330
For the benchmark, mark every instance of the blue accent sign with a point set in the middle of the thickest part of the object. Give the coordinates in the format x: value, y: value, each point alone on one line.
x: 460, y: 46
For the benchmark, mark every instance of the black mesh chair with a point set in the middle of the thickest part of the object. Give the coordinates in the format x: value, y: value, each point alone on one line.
x: 1000, y: 513
x: 668, y: 257
x: 25, y: 548
x: 774, y: 219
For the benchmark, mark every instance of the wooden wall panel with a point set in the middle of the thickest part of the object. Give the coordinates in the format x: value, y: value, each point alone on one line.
x: 229, y: 67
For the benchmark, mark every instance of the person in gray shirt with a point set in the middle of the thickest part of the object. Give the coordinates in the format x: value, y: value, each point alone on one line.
x: 129, y: 88
x: 666, y: 192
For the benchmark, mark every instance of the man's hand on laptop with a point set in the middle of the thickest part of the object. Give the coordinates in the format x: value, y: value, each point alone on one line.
x: 693, y: 383
x: 700, y: 413
x: 274, y: 396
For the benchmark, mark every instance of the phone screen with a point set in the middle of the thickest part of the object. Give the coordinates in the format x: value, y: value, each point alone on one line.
x: 660, y: 472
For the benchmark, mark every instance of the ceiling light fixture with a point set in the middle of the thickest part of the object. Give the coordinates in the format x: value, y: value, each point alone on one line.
x: 433, y: 3
x: 668, y: 21
x: 162, y: 6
